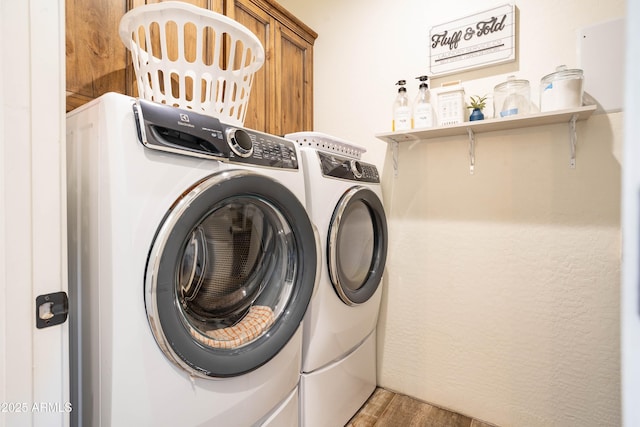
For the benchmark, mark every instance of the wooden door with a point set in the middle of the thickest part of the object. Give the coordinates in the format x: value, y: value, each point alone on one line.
x: 261, y: 108
x: 294, y: 82
x: 282, y: 95
x: 96, y: 58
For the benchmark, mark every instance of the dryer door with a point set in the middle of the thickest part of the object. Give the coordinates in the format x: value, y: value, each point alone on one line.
x: 230, y: 274
x: 357, y: 246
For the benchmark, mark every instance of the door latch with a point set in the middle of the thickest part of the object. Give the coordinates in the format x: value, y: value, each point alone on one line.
x: 51, y: 309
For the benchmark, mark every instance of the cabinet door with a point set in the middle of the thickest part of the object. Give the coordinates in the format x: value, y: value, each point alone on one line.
x: 294, y: 82
x: 261, y: 109
x: 282, y: 95
x: 95, y: 56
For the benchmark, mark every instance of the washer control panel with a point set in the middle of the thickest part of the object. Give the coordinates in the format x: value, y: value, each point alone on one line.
x: 257, y: 148
x: 167, y: 128
x: 347, y: 168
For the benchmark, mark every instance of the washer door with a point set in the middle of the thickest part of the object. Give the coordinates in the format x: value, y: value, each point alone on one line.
x: 230, y: 274
x: 357, y: 246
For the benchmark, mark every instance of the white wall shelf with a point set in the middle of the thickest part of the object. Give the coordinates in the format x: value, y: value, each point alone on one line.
x: 470, y: 129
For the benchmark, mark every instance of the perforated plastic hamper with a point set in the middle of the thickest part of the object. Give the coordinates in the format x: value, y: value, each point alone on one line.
x: 191, y: 57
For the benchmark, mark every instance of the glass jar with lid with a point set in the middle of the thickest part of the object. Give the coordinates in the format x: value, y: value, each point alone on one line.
x: 561, y: 90
x: 511, y: 97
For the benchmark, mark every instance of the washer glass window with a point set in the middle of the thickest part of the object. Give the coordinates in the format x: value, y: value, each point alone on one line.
x: 227, y: 270
x: 230, y: 274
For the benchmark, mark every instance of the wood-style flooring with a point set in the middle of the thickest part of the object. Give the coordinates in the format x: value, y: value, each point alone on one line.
x: 388, y: 409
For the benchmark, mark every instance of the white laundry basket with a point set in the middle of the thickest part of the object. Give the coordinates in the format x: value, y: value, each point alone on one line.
x: 192, y: 58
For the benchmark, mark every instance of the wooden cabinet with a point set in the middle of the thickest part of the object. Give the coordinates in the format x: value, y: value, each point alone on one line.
x: 282, y: 95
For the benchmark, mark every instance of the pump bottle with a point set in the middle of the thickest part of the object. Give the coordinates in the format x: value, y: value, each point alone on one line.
x: 401, y: 109
x: 422, y: 110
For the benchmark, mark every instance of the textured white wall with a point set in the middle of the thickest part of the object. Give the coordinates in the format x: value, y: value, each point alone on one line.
x: 502, y: 288
x: 502, y: 297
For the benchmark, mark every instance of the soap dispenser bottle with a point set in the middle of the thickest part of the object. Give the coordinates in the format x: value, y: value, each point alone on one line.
x: 422, y: 110
x: 401, y: 109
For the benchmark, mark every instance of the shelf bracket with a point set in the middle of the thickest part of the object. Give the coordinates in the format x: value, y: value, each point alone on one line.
x: 394, y: 156
x: 472, y: 151
x: 573, y: 137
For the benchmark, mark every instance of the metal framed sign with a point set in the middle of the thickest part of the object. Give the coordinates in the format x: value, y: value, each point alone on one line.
x: 486, y: 38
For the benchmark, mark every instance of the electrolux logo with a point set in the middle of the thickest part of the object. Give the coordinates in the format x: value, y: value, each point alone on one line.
x: 184, y: 121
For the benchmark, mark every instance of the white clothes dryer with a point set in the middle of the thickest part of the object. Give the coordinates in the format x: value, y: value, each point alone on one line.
x: 192, y: 261
x: 344, y: 200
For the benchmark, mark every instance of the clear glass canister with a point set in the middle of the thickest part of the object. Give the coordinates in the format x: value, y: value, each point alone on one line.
x: 512, y: 97
x: 561, y: 90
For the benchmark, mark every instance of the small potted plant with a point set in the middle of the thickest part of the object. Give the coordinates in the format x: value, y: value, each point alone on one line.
x: 477, y: 104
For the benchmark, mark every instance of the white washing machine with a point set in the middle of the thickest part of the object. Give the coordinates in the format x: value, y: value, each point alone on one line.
x: 344, y: 200
x: 192, y: 261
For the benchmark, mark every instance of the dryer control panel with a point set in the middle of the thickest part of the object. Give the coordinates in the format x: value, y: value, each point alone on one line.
x: 347, y: 168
